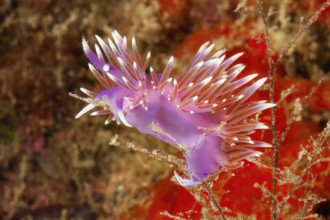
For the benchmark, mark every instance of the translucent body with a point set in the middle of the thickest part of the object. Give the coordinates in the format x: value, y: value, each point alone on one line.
x: 202, y: 112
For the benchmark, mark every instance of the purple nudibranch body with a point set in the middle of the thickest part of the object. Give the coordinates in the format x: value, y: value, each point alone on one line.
x: 202, y: 112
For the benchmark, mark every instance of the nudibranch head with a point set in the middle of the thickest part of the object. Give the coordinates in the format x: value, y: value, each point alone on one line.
x: 202, y: 112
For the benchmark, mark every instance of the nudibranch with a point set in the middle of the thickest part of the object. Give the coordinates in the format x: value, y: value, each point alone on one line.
x: 203, y: 112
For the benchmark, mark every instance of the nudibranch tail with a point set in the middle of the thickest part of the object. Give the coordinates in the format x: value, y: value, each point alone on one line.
x: 204, y: 111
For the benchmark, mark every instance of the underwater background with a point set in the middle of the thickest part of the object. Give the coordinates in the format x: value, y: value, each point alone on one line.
x: 53, y: 166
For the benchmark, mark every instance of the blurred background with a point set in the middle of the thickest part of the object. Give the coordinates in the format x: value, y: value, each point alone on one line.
x: 53, y: 166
